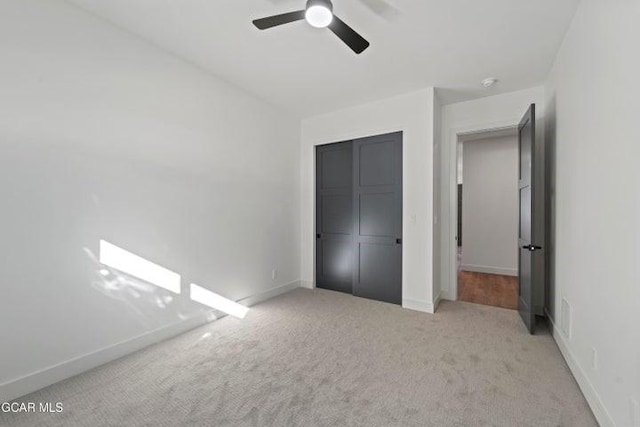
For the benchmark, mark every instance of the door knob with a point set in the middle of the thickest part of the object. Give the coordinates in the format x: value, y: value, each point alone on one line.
x: 532, y: 248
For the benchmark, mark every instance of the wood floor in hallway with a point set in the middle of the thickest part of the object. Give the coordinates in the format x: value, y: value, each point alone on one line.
x: 488, y: 289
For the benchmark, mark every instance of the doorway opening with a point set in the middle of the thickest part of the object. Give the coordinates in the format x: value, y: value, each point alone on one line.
x: 359, y: 217
x: 488, y: 215
x: 531, y: 219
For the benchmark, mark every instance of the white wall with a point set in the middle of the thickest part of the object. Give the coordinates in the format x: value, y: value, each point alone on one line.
x: 594, y: 147
x: 105, y: 136
x: 490, y: 206
x: 437, y: 200
x: 413, y: 115
x: 492, y: 112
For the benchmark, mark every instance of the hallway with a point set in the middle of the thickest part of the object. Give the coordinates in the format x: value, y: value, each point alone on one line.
x: 488, y: 289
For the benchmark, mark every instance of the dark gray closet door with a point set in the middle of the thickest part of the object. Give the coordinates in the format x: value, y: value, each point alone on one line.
x: 377, y: 217
x: 334, y: 216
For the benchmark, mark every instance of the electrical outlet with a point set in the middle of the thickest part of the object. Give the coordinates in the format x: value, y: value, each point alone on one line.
x: 274, y: 274
x: 594, y: 358
x: 635, y: 412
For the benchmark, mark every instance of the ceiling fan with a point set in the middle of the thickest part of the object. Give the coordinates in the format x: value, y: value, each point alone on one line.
x: 319, y: 14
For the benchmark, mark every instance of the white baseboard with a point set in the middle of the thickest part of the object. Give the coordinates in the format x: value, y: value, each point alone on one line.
x: 489, y: 269
x: 270, y: 293
x: 589, y: 392
x: 436, y: 302
x: 447, y: 294
x: 307, y: 284
x: 424, y: 306
x: 29, y: 383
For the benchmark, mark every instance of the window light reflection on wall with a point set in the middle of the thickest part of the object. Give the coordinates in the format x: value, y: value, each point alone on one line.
x: 134, y: 265
x: 217, y: 302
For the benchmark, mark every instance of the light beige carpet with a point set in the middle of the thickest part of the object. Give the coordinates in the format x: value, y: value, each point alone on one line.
x: 320, y: 358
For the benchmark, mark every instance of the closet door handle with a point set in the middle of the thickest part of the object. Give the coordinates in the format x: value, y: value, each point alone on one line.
x: 398, y: 241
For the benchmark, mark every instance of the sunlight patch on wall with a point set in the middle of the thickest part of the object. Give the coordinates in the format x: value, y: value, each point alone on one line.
x: 136, y: 266
x: 217, y: 302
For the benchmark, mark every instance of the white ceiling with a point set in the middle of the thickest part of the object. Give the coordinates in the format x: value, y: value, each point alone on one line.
x: 450, y: 44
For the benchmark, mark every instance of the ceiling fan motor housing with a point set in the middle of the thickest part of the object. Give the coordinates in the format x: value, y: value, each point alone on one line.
x: 323, y: 3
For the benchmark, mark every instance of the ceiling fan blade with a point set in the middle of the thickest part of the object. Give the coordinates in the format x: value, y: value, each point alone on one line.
x: 274, y: 21
x: 352, y: 39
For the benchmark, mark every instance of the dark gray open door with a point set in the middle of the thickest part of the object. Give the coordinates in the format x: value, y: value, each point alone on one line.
x: 377, y: 218
x: 334, y: 216
x: 530, y: 235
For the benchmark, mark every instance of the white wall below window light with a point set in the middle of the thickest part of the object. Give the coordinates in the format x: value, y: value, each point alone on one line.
x: 413, y: 115
x: 104, y: 136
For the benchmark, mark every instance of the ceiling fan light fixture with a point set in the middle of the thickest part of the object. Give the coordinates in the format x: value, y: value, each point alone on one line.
x: 319, y: 13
